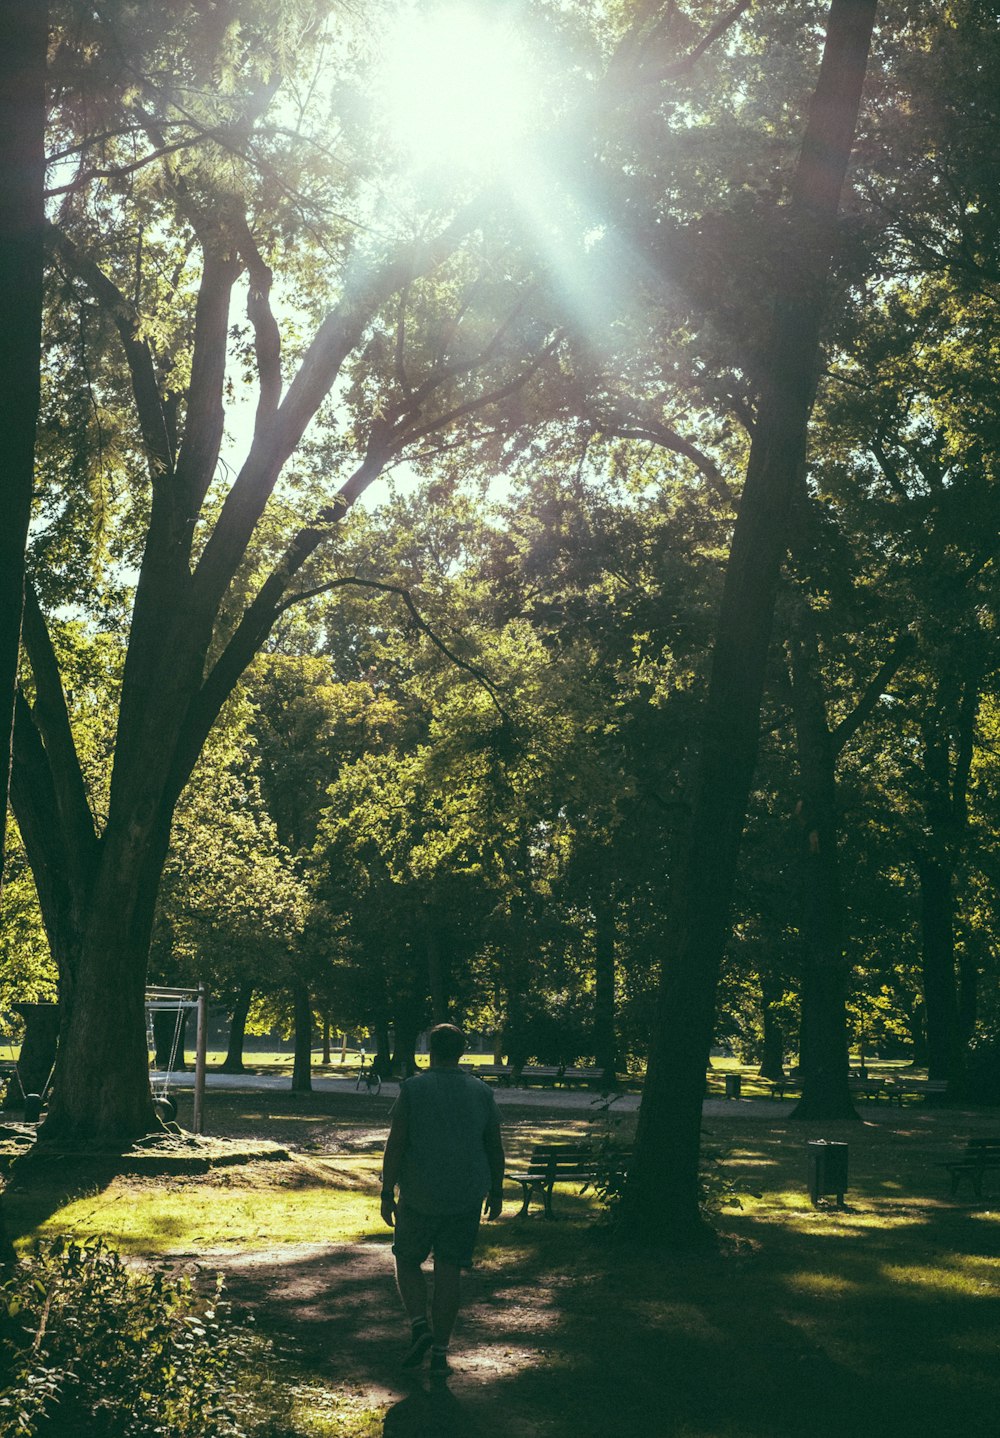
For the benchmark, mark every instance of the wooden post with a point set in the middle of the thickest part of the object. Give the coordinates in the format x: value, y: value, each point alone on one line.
x: 200, y: 1055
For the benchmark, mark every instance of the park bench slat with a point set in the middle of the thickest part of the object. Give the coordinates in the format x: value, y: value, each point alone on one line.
x: 540, y: 1073
x: 583, y: 1074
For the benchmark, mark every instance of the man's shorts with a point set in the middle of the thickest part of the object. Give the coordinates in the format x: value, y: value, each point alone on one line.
x: 450, y: 1236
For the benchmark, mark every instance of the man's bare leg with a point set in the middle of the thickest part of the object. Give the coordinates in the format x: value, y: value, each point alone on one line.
x: 412, y: 1287
x: 444, y: 1311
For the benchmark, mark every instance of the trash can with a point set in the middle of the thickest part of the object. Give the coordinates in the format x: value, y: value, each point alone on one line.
x: 734, y: 1085
x: 32, y: 1107
x: 827, y: 1169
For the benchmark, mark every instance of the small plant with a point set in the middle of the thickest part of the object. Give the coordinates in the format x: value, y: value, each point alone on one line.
x: 91, y: 1348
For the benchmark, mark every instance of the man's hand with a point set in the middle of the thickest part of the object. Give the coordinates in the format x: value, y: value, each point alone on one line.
x: 388, y: 1207
x: 494, y: 1204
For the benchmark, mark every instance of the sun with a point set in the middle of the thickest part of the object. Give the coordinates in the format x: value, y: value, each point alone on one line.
x: 458, y: 88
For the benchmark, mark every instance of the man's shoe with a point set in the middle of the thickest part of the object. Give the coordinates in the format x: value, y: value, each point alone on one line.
x: 440, y: 1368
x: 414, y: 1355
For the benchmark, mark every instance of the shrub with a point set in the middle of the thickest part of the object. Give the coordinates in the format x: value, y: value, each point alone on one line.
x: 719, y: 1186
x: 91, y: 1348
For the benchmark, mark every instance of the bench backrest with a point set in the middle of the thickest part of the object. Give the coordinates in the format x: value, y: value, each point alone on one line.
x: 983, y: 1148
x: 561, y: 1160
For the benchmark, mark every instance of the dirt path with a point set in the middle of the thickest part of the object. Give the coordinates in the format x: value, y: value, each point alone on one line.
x: 336, y: 1310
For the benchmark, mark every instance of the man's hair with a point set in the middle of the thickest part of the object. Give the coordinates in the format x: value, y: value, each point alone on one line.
x: 447, y: 1043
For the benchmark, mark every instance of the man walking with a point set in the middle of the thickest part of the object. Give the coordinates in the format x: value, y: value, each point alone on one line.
x: 445, y: 1156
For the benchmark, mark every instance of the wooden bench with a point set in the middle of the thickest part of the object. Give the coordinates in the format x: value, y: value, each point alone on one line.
x: 503, y: 1073
x: 592, y: 1077
x: 871, y: 1088
x: 977, y: 1159
x: 546, y: 1074
x: 898, y: 1088
x: 779, y: 1087
x: 552, y: 1163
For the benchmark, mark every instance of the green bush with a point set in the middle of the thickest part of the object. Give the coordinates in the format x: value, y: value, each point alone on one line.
x: 94, y: 1349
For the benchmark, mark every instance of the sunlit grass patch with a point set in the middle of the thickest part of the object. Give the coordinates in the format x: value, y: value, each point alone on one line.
x: 963, y: 1276
x: 321, y: 1412
x: 823, y: 1284
x: 185, y: 1214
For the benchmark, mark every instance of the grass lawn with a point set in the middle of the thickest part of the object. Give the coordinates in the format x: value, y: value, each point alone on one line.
x: 882, y: 1319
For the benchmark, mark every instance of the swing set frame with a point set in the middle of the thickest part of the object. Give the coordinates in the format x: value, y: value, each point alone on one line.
x: 161, y: 998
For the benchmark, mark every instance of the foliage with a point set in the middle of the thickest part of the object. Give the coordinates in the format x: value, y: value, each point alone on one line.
x: 94, y: 1348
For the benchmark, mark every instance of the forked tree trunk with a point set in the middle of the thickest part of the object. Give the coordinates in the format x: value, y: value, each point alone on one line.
x: 23, y: 54
x: 661, y: 1201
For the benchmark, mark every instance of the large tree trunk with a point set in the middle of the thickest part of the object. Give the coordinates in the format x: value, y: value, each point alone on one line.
x: 102, y: 1091
x: 823, y: 1045
x: 661, y: 1203
x: 23, y: 54
x: 233, y: 1063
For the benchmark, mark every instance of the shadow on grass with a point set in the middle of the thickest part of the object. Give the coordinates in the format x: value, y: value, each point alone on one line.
x: 39, y: 1184
x: 563, y: 1335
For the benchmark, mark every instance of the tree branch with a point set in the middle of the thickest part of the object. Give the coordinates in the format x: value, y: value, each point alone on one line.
x: 204, y: 422
x: 149, y: 404
x: 51, y: 719
x: 33, y: 799
x: 267, y: 337
x: 382, y: 587
x: 365, y: 291
x: 845, y: 731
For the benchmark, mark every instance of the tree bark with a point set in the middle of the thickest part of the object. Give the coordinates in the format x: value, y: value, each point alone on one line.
x: 23, y: 57
x: 233, y: 1063
x: 302, y: 1061
x: 661, y: 1201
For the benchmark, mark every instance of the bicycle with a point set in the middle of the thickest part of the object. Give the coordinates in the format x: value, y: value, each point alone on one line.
x: 369, y: 1076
